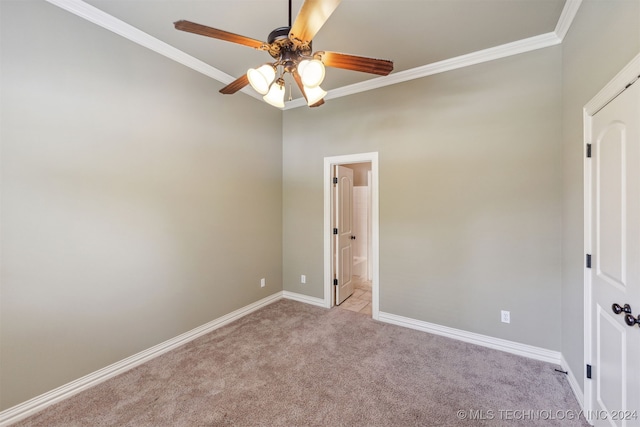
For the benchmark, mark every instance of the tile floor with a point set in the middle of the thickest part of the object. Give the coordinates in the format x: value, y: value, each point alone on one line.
x: 360, y: 300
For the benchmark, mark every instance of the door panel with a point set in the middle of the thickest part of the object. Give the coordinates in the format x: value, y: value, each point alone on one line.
x: 343, y: 241
x: 611, y: 202
x: 615, y: 276
x: 611, y: 340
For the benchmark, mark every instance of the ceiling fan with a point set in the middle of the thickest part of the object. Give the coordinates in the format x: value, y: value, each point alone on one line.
x: 291, y: 48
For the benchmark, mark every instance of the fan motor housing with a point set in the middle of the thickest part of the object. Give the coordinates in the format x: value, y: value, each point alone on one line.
x: 278, y: 34
x: 279, y: 43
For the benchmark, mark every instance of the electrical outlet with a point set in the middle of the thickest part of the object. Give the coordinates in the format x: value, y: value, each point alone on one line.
x: 263, y: 282
x: 505, y: 316
x: 303, y: 279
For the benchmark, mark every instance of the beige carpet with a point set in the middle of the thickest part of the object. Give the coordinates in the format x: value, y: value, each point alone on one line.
x: 292, y: 364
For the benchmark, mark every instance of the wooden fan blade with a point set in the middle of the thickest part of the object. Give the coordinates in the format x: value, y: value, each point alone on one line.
x: 203, y: 30
x: 235, y: 85
x: 381, y: 67
x: 298, y: 80
x: 312, y: 16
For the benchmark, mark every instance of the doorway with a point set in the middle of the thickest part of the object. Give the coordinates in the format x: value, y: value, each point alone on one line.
x: 363, y: 251
x: 612, y: 248
x: 352, y: 219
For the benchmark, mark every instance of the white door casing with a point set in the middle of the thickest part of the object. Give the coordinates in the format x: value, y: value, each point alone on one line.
x: 329, y: 163
x: 343, y: 223
x: 612, y: 227
x: 369, y: 251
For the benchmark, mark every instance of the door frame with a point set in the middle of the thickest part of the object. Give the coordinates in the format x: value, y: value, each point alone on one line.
x: 614, y: 88
x: 329, y: 162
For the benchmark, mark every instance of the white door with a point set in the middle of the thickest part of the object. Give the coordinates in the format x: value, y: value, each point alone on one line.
x: 615, y: 262
x: 343, y: 223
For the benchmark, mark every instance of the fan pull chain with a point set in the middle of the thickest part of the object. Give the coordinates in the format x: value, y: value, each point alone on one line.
x: 290, y: 96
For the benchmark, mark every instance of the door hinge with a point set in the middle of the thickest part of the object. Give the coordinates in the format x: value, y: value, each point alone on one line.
x: 335, y: 282
x: 589, y: 371
x: 589, y: 150
x: 588, y: 260
x: 335, y: 180
x: 335, y: 231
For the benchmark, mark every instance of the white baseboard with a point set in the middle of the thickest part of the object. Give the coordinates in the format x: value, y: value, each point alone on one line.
x: 525, y: 350
x: 573, y: 382
x: 304, y: 298
x: 38, y: 403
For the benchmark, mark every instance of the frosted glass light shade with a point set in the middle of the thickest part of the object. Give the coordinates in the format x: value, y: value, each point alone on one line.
x: 275, y: 96
x: 311, y: 72
x: 314, y: 94
x: 261, y: 78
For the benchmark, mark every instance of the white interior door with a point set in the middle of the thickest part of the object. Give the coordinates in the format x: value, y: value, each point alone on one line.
x: 615, y: 262
x: 343, y: 222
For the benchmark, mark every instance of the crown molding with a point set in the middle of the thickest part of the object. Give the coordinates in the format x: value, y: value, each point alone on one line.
x: 111, y: 23
x: 553, y: 38
x: 478, y: 57
x: 569, y: 12
x: 115, y: 25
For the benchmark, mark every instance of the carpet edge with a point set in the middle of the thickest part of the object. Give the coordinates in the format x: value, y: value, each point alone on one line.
x: 38, y: 403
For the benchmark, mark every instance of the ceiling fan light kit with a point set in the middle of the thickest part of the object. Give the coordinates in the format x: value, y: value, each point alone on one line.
x: 291, y: 48
x: 261, y: 78
x: 311, y: 72
x: 275, y: 96
x: 314, y: 95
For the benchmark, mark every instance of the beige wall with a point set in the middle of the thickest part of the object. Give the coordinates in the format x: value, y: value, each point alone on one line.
x: 470, y: 194
x: 604, y: 37
x: 135, y: 206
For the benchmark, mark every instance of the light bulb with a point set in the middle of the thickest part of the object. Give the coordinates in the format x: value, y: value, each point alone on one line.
x: 311, y: 72
x: 261, y: 78
x: 314, y: 94
x: 275, y: 96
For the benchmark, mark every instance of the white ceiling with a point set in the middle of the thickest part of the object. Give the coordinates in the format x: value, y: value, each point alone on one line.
x: 420, y: 36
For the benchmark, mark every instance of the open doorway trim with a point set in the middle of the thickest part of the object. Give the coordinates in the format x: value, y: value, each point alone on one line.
x: 329, y: 162
x: 614, y: 88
